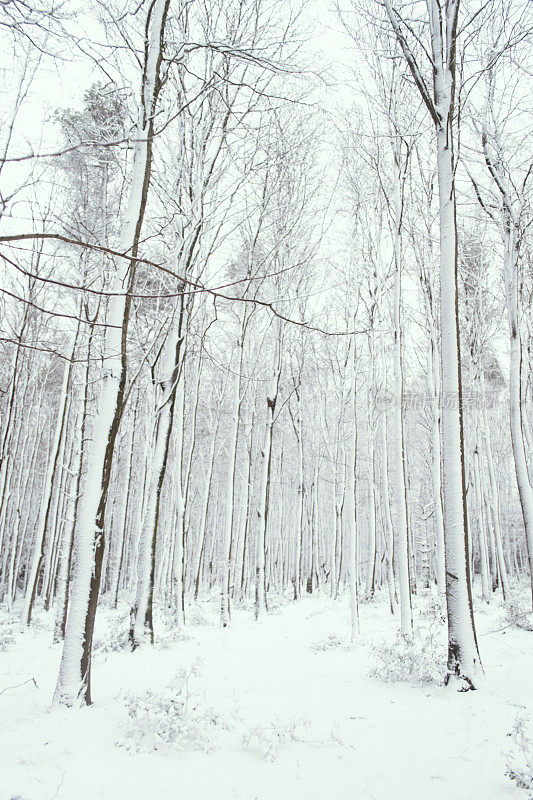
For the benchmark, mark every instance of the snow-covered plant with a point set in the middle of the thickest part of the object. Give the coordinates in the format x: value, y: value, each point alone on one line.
x: 434, y: 608
x: 330, y: 642
x: 368, y: 598
x: 275, y: 603
x: 165, y: 638
x: 418, y: 661
x: 520, y: 756
x: 111, y: 634
x: 175, y: 717
x: 197, y: 616
x: 6, y: 637
x: 518, y: 612
x: 7, y: 629
x: 271, y: 737
x: 167, y: 631
x: 41, y: 620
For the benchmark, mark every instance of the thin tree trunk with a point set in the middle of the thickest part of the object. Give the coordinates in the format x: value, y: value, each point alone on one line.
x: 74, y: 681
x: 350, y: 505
x: 266, y: 460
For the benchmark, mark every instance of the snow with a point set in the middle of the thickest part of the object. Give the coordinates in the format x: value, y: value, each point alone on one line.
x: 291, y: 688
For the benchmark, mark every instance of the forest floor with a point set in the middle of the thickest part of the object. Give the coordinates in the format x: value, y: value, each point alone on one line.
x: 283, y: 709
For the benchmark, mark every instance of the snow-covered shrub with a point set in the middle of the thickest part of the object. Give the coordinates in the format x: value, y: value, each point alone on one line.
x: 7, y: 634
x: 112, y: 631
x: 175, y: 717
x: 275, y: 603
x: 330, y: 642
x: 197, y: 616
x: 518, y: 612
x: 418, y: 661
x: 7, y: 637
x: 168, y: 629
x: 434, y: 608
x: 41, y: 620
x: 367, y: 598
x: 242, y: 601
x: 520, y: 757
x: 166, y: 637
x: 270, y: 738
x: 8, y: 622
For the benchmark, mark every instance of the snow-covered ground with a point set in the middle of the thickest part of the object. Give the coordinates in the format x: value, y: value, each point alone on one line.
x: 282, y: 709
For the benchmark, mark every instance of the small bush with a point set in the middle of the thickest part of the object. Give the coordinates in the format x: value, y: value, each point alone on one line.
x: 196, y: 616
x: 520, y: 757
x: 275, y: 603
x: 417, y: 661
x: 41, y: 620
x: 174, y: 718
x: 167, y: 629
x: 434, y: 609
x: 165, y: 638
x: 368, y: 598
x: 8, y: 624
x: 7, y: 637
x: 270, y: 738
x: 112, y: 635
x: 518, y: 612
x: 331, y: 642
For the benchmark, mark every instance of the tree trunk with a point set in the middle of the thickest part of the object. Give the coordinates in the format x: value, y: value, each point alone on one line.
x: 74, y: 681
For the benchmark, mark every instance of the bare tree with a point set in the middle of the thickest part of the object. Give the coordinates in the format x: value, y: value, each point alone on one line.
x: 442, y: 25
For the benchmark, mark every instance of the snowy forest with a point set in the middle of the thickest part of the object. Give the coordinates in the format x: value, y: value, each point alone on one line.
x: 266, y: 383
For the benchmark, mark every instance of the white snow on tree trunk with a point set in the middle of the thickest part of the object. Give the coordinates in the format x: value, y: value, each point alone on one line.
x: 71, y: 682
